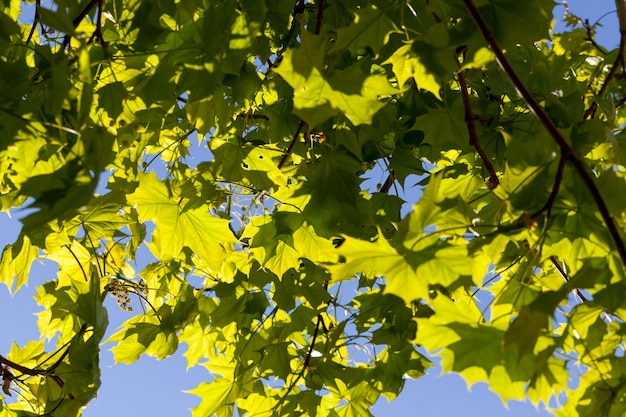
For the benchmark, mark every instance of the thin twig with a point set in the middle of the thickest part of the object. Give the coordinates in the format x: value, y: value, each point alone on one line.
x: 307, y: 359
x: 49, y: 372
x: 291, y: 145
x: 563, y: 274
x: 298, y: 9
x: 253, y: 116
x: 35, y: 21
x: 605, y: 85
x: 309, y: 354
x: 580, y: 295
x: 620, y: 6
x: 558, y: 178
x: 83, y: 13
x: 93, y: 248
x: 549, y: 125
x: 589, y: 29
x: 470, y: 120
x: 177, y: 141
x: 97, y: 34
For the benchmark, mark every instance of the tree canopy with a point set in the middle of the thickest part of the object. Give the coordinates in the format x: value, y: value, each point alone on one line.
x: 260, y: 156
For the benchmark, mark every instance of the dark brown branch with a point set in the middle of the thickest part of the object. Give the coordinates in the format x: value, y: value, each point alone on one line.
x: 566, y: 150
x: 309, y: 353
x: 83, y: 13
x: 307, y: 359
x: 589, y: 29
x: 298, y: 9
x: 563, y: 274
x: 253, y: 116
x: 35, y: 21
x: 620, y: 103
x: 388, y: 182
x: 580, y: 295
x: 22, y: 369
x: 558, y: 178
x: 605, y: 85
x: 49, y: 372
x: 620, y: 6
x: 291, y: 145
x: 58, y: 362
x: 320, y: 17
x: 97, y: 34
x: 470, y: 120
x: 320, y: 322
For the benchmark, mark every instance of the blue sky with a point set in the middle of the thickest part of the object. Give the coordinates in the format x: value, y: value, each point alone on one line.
x: 155, y: 389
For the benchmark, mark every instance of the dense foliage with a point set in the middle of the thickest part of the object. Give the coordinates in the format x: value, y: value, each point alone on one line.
x: 279, y: 250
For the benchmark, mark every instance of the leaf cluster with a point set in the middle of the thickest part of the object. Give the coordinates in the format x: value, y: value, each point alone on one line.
x: 366, y: 185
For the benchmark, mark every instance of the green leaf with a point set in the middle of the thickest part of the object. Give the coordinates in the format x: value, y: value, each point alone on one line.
x: 139, y: 337
x: 57, y: 20
x: 406, y: 65
x: 371, y: 29
x: 217, y: 398
x: 318, y: 98
x: 410, y: 274
x: 16, y: 262
x: 208, y: 236
x: 333, y: 145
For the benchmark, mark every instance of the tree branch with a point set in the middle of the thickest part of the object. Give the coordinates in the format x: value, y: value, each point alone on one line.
x: 320, y: 17
x: 298, y: 9
x: 83, y: 13
x: 291, y: 145
x: 619, y: 60
x: 558, y: 178
x: 35, y: 21
x: 620, y: 5
x: 20, y: 368
x: 563, y: 274
x: 566, y: 150
x: 97, y: 34
x: 388, y: 182
x: 470, y: 120
x: 589, y: 29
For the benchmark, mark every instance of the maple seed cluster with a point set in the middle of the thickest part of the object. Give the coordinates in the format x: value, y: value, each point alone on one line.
x: 121, y: 291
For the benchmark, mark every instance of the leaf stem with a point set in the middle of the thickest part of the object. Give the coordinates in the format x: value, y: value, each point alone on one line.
x: 566, y: 150
x: 176, y: 142
x: 77, y: 261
